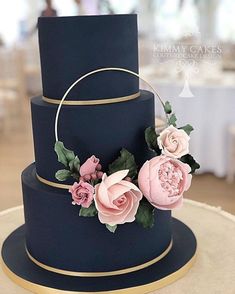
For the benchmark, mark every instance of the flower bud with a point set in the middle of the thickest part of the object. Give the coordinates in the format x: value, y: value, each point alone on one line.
x: 99, y: 167
x: 93, y: 176
x: 87, y: 177
x: 100, y: 174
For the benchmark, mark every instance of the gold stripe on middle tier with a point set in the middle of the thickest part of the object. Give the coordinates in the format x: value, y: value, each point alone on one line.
x: 92, y: 102
x: 101, y: 274
x: 53, y: 184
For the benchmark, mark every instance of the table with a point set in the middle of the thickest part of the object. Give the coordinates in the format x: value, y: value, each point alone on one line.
x: 214, y: 271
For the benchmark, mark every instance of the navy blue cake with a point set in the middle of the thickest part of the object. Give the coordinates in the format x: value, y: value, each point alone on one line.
x: 56, y: 249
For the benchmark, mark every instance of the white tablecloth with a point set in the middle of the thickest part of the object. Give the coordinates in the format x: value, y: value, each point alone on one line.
x: 211, y: 111
x: 214, y: 270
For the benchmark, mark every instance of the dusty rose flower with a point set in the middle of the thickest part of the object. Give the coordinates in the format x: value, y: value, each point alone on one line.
x: 116, y: 200
x: 173, y: 142
x: 82, y: 193
x: 89, y: 166
x: 163, y: 181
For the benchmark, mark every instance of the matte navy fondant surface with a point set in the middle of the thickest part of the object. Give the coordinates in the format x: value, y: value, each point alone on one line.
x: 73, y: 46
x: 102, y: 130
x: 16, y: 259
x: 57, y: 236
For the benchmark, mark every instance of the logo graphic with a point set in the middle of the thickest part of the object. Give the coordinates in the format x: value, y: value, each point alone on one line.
x: 187, y: 57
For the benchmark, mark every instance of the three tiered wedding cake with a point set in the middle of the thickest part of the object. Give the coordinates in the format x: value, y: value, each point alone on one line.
x: 122, y: 177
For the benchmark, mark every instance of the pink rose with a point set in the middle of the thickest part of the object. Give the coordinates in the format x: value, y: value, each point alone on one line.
x: 89, y: 167
x: 163, y: 181
x: 82, y: 193
x: 116, y: 200
x: 173, y: 142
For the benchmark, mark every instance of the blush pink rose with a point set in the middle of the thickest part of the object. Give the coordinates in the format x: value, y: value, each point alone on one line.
x: 163, y: 181
x: 82, y: 194
x: 116, y: 200
x: 89, y: 166
x: 173, y: 142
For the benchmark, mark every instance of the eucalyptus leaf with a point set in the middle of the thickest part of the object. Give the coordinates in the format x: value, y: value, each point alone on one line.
x: 151, y: 140
x: 88, y: 212
x: 145, y: 214
x: 167, y: 107
x: 126, y: 160
x: 112, y: 229
x: 191, y: 162
x: 62, y: 175
x: 187, y: 128
x: 172, y: 120
x: 64, y: 155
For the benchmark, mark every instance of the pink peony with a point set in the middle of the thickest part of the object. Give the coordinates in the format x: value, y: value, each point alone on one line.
x: 89, y: 167
x: 163, y: 181
x: 82, y: 193
x: 173, y: 142
x: 116, y: 200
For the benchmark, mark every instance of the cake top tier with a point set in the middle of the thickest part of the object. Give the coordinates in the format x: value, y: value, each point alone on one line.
x: 73, y: 46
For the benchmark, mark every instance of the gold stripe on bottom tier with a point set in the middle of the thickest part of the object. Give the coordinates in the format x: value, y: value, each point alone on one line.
x: 92, y: 102
x: 36, y: 288
x: 101, y: 274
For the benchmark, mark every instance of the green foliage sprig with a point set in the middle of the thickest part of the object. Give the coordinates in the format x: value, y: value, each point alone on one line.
x: 69, y: 160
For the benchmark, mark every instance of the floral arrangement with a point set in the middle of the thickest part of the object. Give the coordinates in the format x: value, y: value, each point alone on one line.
x: 124, y: 193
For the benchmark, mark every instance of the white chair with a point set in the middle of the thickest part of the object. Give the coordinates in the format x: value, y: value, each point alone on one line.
x: 32, y: 68
x: 160, y: 124
x: 231, y: 155
x: 12, y: 87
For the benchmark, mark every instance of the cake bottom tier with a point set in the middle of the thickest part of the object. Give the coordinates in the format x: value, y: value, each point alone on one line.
x: 61, y: 241
x: 20, y: 268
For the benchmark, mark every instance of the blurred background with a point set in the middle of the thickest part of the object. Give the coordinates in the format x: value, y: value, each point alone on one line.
x: 187, y: 52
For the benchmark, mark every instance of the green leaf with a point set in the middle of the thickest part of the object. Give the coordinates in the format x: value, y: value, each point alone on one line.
x: 191, y: 162
x: 125, y: 161
x: 151, y: 140
x: 62, y: 175
x: 64, y: 155
x: 187, y: 128
x: 172, y: 120
x: 74, y: 165
x: 111, y: 229
x: 88, y: 212
x: 145, y: 214
x: 167, y: 107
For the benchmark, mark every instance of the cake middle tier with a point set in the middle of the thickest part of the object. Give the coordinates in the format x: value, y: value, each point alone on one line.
x: 100, y: 130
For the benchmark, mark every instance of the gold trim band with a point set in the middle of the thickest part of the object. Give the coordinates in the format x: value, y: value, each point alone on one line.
x: 100, y: 274
x: 92, y: 102
x: 52, y: 184
x: 150, y: 287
